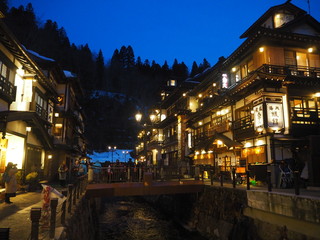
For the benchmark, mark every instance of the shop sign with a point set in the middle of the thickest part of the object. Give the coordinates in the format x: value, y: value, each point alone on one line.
x: 275, y: 115
x: 258, y: 116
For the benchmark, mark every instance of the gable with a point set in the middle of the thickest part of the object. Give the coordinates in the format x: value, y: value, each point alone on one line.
x: 276, y: 17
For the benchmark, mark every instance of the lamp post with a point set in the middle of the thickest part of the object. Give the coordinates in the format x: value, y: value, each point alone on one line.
x: 125, y: 155
x: 25, y: 165
x: 112, y: 149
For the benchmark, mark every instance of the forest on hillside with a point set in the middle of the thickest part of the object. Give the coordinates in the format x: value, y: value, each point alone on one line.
x: 112, y: 96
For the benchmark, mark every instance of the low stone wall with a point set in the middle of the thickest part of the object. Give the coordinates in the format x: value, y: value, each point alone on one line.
x: 82, y: 223
x: 235, y: 214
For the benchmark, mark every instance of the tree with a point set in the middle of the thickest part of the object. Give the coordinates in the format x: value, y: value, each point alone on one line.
x: 4, y: 6
x: 22, y: 22
x: 99, y: 77
x: 204, y: 65
x: 179, y: 70
x: 194, y: 69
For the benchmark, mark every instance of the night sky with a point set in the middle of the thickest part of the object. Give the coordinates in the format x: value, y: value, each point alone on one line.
x: 159, y: 30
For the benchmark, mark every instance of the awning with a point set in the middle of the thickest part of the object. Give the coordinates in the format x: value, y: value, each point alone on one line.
x: 208, y: 143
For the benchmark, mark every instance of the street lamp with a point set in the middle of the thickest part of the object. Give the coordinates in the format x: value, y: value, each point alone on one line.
x: 112, y: 149
x: 125, y: 155
x: 138, y: 117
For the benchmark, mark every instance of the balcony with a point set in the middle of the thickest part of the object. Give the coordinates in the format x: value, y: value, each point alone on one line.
x: 243, y: 128
x: 299, y: 71
x: 7, y: 89
x: 304, y: 121
x: 42, y: 112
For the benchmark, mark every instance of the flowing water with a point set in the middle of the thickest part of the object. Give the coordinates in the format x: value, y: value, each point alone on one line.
x: 134, y: 219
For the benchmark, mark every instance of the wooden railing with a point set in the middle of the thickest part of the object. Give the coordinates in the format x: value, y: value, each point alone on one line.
x: 58, y: 213
x: 243, y: 128
x: 301, y: 71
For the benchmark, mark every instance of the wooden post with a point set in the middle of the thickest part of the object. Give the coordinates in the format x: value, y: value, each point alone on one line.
x: 35, y: 215
x: 248, y: 180
x: 64, y: 208
x: 53, y: 215
x: 4, y: 233
x: 296, y: 183
x: 211, y: 176
x: 269, y: 181
x: 233, y: 177
x: 70, y: 186
x: 74, y: 193
x: 78, y: 189
x: 221, y: 179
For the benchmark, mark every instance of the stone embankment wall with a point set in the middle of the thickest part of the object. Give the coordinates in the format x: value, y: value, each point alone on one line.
x: 235, y: 214
x: 83, y: 222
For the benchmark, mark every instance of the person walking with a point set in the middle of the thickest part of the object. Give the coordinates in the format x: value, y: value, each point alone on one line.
x: 10, y: 181
x: 63, y: 173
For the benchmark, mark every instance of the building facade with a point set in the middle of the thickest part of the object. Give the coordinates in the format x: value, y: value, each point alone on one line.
x: 261, y: 104
x: 30, y: 104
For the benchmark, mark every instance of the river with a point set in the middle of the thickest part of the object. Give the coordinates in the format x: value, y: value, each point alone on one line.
x: 134, y: 219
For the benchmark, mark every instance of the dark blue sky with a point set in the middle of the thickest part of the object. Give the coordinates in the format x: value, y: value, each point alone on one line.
x: 159, y: 30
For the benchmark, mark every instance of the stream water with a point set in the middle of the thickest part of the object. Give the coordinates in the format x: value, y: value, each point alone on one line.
x: 134, y: 219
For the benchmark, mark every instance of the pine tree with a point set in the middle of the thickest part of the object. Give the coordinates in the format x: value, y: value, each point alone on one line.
x: 195, y: 69
x: 99, y: 79
x: 4, y: 6
x: 204, y: 65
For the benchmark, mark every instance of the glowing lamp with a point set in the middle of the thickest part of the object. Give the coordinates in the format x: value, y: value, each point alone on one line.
x: 152, y: 117
x: 138, y: 117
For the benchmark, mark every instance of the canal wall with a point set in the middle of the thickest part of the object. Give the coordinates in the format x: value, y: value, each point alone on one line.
x: 82, y: 222
x: 236, y: 214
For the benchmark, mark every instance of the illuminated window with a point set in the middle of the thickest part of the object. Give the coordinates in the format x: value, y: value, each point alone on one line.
x: 235, y: 75
x: 172, y: 83
x: 60, y: 100
x: 41, y: 106
x: 57, y: 130
x: 282, y: 18
x: 6, y: 73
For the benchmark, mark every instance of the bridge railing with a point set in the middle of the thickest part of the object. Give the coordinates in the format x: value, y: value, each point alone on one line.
x: 114, y: 174
x: 135, y: 173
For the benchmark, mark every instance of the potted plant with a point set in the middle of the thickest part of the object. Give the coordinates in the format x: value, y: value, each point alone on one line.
x: 33, y: 180
x: 20, y: 182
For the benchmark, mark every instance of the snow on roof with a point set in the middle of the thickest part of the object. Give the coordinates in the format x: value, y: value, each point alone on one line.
x: 100, y: 93
x: 39, y: 56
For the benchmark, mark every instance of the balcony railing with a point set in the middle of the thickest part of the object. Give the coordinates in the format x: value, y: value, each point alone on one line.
x: 243, y: 128
x: 43, y: 113
x: 311, y: 114
x: 302, y: 71
x: 7, y: 89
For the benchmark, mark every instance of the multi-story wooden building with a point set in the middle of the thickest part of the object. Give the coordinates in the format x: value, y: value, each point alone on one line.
x: 261, y: 104
x: 31, y: 87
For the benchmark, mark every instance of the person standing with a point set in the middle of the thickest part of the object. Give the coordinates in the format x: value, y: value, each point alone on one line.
x: 63, y: 173
x: 10, y: 181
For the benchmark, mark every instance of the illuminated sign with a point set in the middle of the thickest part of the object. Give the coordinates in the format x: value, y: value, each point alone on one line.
x: 258, y: 116
x: 275, y: 115
x: 225, y: 80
